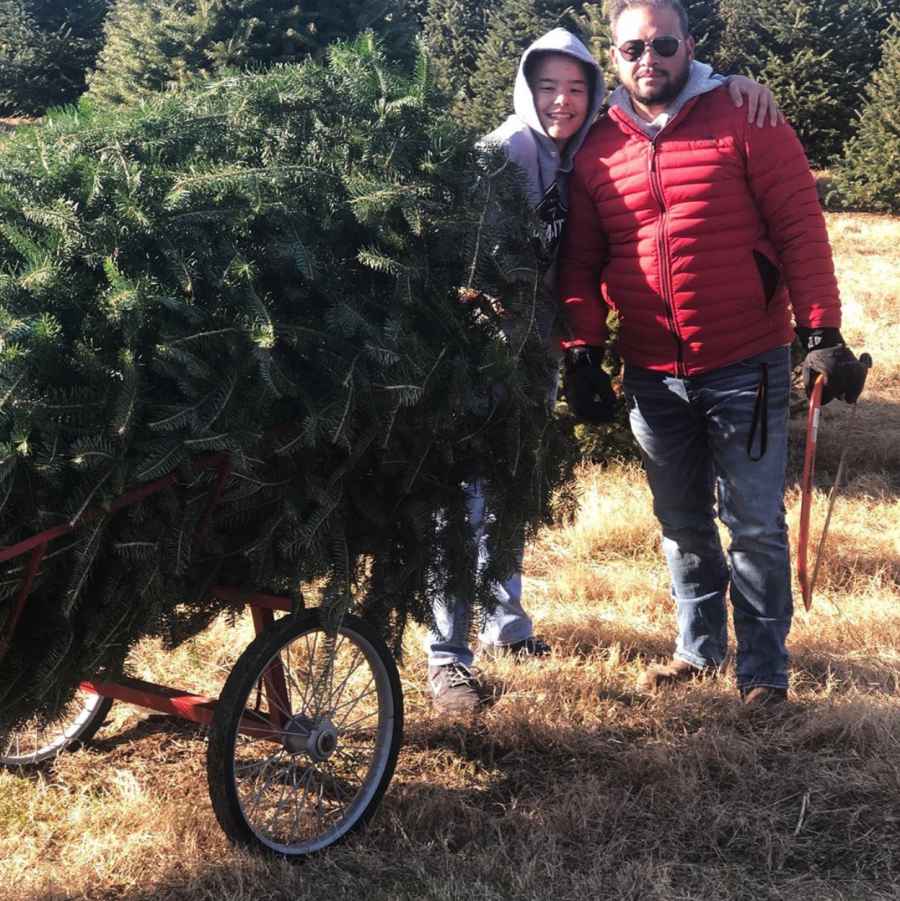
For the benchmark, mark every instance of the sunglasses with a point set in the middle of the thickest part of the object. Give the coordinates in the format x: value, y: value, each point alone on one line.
x: 664, y: 46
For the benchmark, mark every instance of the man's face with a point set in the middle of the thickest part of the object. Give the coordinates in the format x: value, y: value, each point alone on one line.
x: 560, y: 92
x: 652, y: 80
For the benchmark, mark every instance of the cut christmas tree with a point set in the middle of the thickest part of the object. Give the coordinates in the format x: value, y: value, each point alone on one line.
x: 269, y: 267
x: 154, y: 45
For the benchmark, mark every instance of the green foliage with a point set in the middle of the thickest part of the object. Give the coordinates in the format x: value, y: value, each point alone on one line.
x: 453, y: 32
x: 511, y: 26
x: 151, y: 45
x: 601, y: 443
x: 868, y: 176
x: 604, y: 443
x: 706, y: 27
x: 816, y: 55
x: 46, y: 49
x: 270, y: 266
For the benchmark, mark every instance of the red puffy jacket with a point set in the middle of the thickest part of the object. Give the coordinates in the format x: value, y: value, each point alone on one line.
x: 694, y: 238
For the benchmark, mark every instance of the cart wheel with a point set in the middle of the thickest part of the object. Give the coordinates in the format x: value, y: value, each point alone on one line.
x: 37, y: 741
x: 305, y: 735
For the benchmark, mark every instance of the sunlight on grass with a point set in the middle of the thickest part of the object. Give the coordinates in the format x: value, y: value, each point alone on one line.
x: 570, y: 784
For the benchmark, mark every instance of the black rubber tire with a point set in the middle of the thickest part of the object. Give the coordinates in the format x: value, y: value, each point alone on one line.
x: 33, y: 744
x: 255, y: 780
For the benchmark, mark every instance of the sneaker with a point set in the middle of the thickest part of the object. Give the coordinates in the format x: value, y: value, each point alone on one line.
x: 527, y: 647
x: 454, y: 688
x: 664, y: 675
x: 764, y: 696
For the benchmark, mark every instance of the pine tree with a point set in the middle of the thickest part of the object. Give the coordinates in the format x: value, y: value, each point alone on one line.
x: 705, y: 26
x: 46, y: 48
x: 21, y: 58
x: 149, y: 46
x: 153, y: 45
x: 453, y: 32
x: 262, y: 32
x: 512, y: 26
x: 267, y: 265
x: 816, y: 55
x: 868, y: 176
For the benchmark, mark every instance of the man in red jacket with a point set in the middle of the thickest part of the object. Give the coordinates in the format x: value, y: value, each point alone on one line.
x: 705, y: 235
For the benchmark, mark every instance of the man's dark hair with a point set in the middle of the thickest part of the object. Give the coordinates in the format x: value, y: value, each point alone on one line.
x: 617, y: 7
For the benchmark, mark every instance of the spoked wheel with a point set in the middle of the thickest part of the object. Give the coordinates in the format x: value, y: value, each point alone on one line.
x: 305, y: 735
x: 39, y: 740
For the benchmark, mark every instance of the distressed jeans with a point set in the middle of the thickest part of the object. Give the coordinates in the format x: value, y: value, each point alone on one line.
x: 694, y: 434
x: 507, y: 624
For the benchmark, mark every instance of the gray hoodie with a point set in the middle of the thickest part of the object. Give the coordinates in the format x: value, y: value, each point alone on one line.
x: 700, y: 81
x: 526, y: 143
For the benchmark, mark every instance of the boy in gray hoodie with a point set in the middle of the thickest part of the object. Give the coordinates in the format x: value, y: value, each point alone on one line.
x: 558, y: 93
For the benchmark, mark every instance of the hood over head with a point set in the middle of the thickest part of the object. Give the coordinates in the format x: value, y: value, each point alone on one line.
x: 522, y: 137
x: 525, y: 143
x: 559, y: 41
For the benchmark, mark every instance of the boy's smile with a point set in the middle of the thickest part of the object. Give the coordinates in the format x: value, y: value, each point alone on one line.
x: 561, y: 99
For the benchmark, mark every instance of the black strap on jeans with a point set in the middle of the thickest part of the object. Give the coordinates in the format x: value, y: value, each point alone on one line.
x: 760, y: 416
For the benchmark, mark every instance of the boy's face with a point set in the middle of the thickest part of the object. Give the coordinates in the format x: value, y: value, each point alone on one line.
x: 560, y: 92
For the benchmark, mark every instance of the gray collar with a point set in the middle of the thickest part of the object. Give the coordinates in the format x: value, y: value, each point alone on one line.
x: 700, y: 81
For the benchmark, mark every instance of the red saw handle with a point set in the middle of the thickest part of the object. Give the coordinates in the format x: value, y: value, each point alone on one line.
x: 808, y: 580
x: 809, y: 468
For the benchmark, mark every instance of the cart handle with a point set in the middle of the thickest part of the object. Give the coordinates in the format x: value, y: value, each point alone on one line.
x: 37, y: 544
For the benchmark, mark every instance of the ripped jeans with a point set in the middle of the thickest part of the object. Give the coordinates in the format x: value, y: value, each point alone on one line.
x: 507, y: 624
x: 694, y: 434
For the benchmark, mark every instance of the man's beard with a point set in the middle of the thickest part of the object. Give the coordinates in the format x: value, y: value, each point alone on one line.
x: 667, y: 91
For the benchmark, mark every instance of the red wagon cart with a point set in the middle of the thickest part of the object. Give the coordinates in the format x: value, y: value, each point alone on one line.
x: 304, y: 737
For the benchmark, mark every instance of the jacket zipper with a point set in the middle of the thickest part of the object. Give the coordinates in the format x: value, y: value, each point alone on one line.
x: 665, y: 269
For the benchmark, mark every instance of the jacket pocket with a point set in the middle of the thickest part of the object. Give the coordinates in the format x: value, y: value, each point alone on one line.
x: 769, y: 275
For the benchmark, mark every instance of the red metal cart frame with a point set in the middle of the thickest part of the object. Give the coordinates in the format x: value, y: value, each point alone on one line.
x: 305, y: 734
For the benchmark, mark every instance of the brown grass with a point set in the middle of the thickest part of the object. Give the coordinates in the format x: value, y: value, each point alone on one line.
x: 570, y: 785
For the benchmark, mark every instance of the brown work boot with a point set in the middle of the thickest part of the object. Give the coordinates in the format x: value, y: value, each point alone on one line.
x: 455, y: 689
x: 664, y: 675
x: 764, y: 696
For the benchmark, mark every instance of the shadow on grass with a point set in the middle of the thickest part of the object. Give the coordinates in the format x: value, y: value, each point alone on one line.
x: 827, y: 662
x: 692, y: 797
x: 872, y: 441
x: 607, y: 638
x: 155, y: 725
x: 842, y: 659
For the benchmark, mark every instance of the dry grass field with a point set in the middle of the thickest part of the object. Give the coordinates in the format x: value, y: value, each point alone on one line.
x: 570, y: 785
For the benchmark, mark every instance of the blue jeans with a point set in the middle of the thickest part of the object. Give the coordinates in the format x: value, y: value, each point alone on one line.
x: 693, y: 433
x: 507, y: 624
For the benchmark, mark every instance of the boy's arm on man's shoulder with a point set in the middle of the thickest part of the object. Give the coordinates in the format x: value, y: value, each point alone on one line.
x: 784, y: 188
x: 582, y: 255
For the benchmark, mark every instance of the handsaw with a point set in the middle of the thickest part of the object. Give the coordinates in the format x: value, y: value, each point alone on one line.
x: 808, y: 580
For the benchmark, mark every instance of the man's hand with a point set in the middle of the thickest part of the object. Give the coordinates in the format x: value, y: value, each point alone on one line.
x: 587, y: 387
x: 761, y: 102
x: 827, y: 354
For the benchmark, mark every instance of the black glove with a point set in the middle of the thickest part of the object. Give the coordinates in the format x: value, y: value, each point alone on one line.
x: 827, y: 354
x: 587, y: 387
